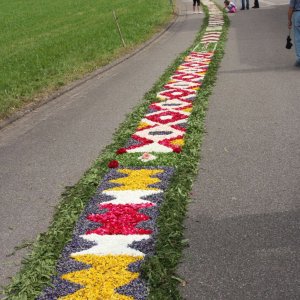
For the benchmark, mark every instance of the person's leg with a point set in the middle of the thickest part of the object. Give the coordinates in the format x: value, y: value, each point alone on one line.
x: 247, y: 4
x: 198, y: 6
x: 243, y: 4
x: 256, y: 4
x: 296, y: 27
x: 194, y: 5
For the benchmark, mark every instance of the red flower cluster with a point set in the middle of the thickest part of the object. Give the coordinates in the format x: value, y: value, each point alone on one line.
x: 120, y: 219
x: 113, y: 164
x: 121, y: 151
x: 177, y: 149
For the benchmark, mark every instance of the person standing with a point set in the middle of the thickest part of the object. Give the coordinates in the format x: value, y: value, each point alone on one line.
x: 243, y: 4
x: 198, y: 6
x: 256, y: 4
x: 294, y: 22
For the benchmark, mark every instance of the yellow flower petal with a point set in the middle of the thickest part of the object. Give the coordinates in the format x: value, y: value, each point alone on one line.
x: 105, y: 275
x: 136, y: 180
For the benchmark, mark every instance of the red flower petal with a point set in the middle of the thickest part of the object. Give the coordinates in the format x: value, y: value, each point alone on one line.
x: 177, y: 149
x: 121, y: 151
x: 120, y: 219
x: 113, y: 164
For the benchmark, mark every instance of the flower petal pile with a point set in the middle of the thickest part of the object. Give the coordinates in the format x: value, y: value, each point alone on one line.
x: 117, y: 229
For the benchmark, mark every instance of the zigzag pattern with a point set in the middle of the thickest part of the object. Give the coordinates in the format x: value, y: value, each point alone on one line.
x: 105, y: 275
x: 107, y: 256
x: 140, y: 179
x: 161, y: 129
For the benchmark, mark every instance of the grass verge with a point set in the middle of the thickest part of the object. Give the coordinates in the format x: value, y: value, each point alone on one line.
x: 47, y: 44
x: 159, y: 270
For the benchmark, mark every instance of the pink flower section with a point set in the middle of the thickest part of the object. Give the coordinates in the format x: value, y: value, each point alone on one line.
x: 120, y: 219
x: 180, y: 94
x: 146, y: 155
x: 166, y: 117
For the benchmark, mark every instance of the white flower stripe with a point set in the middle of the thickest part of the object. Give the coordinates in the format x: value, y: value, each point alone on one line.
x: 130, y: 197
x: 112, y: 244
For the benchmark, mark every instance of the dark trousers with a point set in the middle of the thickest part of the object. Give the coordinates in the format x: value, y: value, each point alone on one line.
x: 243, y: 4
x: 256, y: 4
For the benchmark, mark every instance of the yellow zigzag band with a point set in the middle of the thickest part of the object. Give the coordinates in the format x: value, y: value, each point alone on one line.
x: 136, y: 180
x: 105, y: 275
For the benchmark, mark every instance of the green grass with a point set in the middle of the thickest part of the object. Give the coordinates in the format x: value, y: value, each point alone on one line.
x: 46, y: 44
x: 159, y: 270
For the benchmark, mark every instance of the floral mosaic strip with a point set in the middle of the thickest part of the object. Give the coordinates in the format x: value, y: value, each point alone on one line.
x: 211, y: 37
x: 117, y: 229
x: 163, y: 128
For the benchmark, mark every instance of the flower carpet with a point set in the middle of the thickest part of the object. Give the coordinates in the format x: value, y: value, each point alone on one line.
x: 117, y: 230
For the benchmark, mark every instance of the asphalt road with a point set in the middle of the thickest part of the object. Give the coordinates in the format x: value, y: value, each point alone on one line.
x: 243, y: 221
x: 51, y: 147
